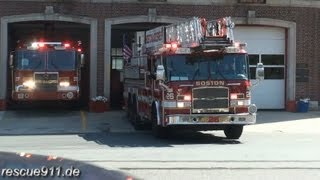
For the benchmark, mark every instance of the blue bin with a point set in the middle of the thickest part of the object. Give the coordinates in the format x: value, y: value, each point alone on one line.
x: 303, y: 106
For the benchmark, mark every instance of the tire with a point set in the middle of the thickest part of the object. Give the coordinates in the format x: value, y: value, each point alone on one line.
x: 134, y: 116
x: 157, y: 131
x: 233, y: 132
x: 137, y: 123
x: 128, y: 113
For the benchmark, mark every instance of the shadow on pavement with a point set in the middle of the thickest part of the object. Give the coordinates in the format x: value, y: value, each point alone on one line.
x: 47, y: 113
x: 48, y: 105
x: 145, y: 139
x: 22, y: 165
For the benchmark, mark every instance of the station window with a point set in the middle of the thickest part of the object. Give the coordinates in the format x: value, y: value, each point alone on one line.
x: 117, y: 58
x: 274, y: 65
x: 253, y: 60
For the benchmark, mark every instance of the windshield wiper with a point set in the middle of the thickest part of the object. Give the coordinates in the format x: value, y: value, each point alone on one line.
x: 219, y: 72
x: 54, y: 65
x: 195, y: 73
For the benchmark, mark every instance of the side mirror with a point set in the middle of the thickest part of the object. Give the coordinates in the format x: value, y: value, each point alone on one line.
x: 11, y: 60
x: 82, y: 60
x: 160, y: 73
x: 260, y: 71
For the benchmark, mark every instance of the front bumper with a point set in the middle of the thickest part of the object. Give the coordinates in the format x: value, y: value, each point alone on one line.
x: 211, y: 119
x: 44, y: 96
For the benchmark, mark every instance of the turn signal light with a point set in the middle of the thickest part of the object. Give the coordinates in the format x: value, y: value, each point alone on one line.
x: 187, y: 98
x: 66, y: 45
x: 233, y: 96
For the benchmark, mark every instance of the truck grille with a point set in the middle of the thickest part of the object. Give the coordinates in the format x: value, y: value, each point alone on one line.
x: 46, y: 81
x: 210, y: 99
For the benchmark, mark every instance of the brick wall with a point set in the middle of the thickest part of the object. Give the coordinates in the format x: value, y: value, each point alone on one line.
x: 307, y: 19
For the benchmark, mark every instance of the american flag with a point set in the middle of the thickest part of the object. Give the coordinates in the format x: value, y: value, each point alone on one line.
x: 127, y: 52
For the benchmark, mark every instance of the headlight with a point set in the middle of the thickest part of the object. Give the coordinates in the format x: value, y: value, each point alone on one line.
x: 64, y: 84
x: 183, y: 104
x: 30, y: 84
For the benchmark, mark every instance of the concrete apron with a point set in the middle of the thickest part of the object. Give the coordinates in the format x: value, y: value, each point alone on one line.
x: 61, y: 122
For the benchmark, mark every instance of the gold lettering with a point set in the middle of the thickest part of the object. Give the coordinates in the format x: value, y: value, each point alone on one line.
x: 209, y: 83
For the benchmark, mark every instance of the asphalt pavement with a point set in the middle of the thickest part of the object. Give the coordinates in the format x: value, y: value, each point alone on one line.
x: 282, y: 145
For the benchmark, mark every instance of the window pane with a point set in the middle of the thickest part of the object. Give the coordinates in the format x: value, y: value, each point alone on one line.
x: 274, y: 73
x: 113, y: 64
x: 113, y: 51
x: 119, y: 64
x: 61, y: 60
x: 253, y: 59
x: 119, y: 52
x: 252, y: 73
x: 272, y: 59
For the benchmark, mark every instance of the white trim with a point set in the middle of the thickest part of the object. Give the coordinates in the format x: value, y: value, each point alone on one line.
x: 47, y: 17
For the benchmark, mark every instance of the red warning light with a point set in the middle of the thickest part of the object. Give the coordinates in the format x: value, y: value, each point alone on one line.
x: 174, y: 45
x: 79, y: 49
x: 168, y: 46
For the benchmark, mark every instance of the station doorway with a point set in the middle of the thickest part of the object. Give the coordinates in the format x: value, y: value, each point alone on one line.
x: 117, y: 62
x: 57, y: 31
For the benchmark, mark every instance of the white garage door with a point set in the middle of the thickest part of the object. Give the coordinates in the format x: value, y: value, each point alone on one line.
x: 266, y: 45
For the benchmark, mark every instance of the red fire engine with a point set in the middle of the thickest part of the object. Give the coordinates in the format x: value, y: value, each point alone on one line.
x: 44, y: 71
x: 190, y: 75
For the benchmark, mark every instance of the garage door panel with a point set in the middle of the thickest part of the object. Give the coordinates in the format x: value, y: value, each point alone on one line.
x: 259, y: 33
x: 266, y: 46
x: 269, y: 94
x: 261, y: 43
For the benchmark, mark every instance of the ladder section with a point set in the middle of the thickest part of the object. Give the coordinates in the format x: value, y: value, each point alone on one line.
x: 218, y: 33
x: 200, y: 33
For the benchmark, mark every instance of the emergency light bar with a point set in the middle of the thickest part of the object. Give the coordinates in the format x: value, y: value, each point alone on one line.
x: 45, y: 43
x: 55, y: 45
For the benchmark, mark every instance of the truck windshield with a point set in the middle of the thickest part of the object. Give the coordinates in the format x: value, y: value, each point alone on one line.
x: 61, y: 60
x: 30, y: 60
x: 228, y: 66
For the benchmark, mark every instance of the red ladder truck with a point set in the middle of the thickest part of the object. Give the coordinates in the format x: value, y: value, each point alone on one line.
x: 46, y: 71
x: 190, y: 76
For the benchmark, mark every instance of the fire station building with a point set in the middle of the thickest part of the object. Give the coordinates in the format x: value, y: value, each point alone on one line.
x: 283, y: 35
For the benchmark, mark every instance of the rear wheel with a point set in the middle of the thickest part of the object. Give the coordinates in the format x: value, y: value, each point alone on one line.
x: 129, y: 108
x: 158, y: 131
x: 233, y: 132
x: 135, y: 118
